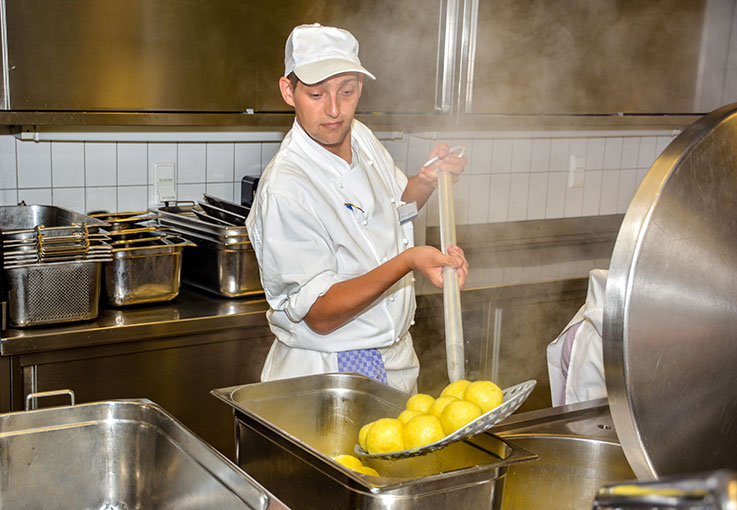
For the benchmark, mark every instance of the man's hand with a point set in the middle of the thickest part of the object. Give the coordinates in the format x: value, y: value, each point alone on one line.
x: 447, y: 161
x: 421, y: 186
x: 430, y: 262
x: 345, y: 300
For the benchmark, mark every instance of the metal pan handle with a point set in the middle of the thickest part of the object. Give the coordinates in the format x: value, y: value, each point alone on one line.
x: 35, y: 396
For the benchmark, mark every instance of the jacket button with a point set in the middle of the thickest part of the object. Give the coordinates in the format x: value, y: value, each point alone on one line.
x: 413, y: 279
x: 412, y: 322
x: 393, y: 200
x: 405, y: 241
x: 365, y: 222
x: 391, y: 298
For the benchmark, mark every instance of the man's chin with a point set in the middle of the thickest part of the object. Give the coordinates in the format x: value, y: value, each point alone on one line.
x: 331, y: 140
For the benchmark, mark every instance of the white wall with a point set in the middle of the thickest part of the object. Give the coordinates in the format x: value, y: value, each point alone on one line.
x: 510, y: 176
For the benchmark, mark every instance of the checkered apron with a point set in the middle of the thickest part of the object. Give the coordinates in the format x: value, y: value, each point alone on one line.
x: 364, y: 361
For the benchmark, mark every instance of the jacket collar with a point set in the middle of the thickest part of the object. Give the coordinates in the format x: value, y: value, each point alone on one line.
x: 317, y: 152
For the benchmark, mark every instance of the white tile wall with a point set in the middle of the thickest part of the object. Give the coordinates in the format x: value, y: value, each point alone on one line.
x: 100, y: 164
x: 67, y: 165
x: 132, y: 164
x: 510, y: 176
x: 529, y: 175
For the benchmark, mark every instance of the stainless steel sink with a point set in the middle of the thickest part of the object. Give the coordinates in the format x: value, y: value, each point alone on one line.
x: 577, y: 451
x: 116, y: 455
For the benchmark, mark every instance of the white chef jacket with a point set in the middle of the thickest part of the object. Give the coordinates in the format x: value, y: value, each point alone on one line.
x: 315, y: 221
x: 575, y: 359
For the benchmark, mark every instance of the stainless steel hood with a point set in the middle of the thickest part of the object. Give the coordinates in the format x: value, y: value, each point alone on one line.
x: 215, y: 63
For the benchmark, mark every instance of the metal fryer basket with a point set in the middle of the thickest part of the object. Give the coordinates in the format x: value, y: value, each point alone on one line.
x: 51, y: 293
x: 62, y: 289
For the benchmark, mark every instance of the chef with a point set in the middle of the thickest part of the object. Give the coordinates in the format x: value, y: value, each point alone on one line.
x: 331, y: 226
x: 575, y: 359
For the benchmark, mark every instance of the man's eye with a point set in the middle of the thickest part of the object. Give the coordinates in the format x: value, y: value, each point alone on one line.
x: 348, y: 92
x: 315, y: 95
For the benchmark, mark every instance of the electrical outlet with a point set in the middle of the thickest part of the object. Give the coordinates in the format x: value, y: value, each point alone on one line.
x: 165, y: 184
x: 576, y: 167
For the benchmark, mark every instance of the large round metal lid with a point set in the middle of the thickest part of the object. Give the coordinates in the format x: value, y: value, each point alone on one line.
x: 670, y: 318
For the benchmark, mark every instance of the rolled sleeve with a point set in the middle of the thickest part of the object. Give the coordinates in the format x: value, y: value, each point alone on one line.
x: 299, y: 303
x: 297, y: 262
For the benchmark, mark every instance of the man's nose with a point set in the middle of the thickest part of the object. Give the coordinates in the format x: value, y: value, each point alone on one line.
x: 332, y: 108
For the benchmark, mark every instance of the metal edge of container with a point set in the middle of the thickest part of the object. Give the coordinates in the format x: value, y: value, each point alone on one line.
x: 357, y: 482
x: 235, y: 243
x: 627, y: 251
x: 196, y: 224
x: 74, y: 216
x: 166, y: 247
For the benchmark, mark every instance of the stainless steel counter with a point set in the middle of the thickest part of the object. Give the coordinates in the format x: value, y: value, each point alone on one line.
x: 173, y: 353
x: 191, y: 312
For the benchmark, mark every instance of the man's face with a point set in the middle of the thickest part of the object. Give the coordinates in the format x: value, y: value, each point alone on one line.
x: 325, y: 110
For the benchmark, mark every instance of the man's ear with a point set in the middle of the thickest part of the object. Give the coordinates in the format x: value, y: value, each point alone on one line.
x: 286, y: 90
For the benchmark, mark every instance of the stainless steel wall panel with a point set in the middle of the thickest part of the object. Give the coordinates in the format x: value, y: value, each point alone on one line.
x: 577, y: 56
x: 399, y: 45
x: 132, y: 55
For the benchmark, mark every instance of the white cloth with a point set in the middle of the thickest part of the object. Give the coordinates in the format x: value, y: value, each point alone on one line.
x: 306, y: 238
x: 575, y: 359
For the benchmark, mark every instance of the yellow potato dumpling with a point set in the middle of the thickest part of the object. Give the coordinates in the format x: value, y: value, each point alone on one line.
x: 455, y: 389
x: 420, y: 402
x: 385, y: 436
x: 421, y: 430
x: 484, y: 394
x: 457, y: 414
x: 362, y: 435
x: 407, y: 415
x: 348, y: 461
x: 367, y: 471
x: 439, y: 405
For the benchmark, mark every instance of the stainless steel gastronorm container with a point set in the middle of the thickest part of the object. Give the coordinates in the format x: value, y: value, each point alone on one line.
x: 222, y: 260
x: 116, y: 455
x: 288, y: 432
x: 227, y: 270
x: 144, y: 274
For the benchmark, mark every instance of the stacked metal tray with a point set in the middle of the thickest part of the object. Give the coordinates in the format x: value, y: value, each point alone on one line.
x: 52, y: 263
x: 222, y: 260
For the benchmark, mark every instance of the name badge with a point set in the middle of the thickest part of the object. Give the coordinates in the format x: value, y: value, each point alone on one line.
x: 407, y: 212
